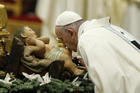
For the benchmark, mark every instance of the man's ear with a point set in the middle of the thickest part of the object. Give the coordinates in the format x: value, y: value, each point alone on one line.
x: 70, y: 31
x: 23, y: 36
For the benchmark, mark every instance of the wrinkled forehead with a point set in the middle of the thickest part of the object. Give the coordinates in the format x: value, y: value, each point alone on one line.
x: 59, y: 31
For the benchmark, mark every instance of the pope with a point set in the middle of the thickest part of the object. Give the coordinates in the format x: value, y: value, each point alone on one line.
x: 111, y: 55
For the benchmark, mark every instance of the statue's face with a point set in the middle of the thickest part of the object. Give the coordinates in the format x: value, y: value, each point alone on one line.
x: 28, y: 32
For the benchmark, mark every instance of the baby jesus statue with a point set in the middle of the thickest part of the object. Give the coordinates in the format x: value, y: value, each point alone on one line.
x: 38, y: 54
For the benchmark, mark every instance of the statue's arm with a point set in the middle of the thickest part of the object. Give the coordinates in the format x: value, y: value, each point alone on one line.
x: 35, y: 42
x: 46, y: 40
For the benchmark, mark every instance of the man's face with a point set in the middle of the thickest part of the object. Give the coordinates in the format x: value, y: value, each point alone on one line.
x: 68, y: 38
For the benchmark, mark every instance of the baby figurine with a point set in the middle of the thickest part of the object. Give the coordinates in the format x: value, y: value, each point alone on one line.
x: 38, y: 54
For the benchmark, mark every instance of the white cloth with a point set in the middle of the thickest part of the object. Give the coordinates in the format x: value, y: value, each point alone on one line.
x: 113, y: 65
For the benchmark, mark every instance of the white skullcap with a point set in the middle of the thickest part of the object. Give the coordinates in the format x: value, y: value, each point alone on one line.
x: 67, y: 17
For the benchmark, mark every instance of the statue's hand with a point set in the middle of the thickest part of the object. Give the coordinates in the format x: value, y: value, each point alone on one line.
x: 46, y: 40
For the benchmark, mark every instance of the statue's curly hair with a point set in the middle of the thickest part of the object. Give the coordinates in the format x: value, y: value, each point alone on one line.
x: 18, y: 35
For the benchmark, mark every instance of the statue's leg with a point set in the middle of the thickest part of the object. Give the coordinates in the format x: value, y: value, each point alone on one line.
x: 68, y: 64
x: 72, y: 67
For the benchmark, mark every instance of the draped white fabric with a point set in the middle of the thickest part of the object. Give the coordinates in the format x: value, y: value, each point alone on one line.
x: 132, y: 20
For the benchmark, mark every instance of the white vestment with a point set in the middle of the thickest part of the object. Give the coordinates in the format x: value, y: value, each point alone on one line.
x: 113, y: 64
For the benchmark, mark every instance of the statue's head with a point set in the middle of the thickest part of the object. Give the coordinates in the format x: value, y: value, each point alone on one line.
x: 24, y: 33
x: 28, y: 32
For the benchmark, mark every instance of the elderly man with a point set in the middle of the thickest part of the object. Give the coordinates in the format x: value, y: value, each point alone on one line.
x: 111, y: 55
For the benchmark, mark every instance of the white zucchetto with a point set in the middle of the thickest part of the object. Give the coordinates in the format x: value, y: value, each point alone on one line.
x: 67, y: 17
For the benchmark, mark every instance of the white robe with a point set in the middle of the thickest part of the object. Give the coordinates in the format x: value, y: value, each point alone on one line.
x: 113, y: 65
